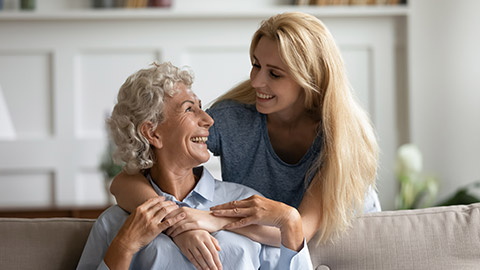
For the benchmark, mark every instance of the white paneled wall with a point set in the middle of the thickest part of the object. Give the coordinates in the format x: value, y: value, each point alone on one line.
x: 60, y: 75
x: 445, y: 89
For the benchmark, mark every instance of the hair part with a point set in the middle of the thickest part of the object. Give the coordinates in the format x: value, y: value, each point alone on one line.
x: 141, y: 99
x: 347, y: 164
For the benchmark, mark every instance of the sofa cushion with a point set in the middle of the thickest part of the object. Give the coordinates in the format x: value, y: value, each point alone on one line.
x: 432, y: 238
x: 51, y: 243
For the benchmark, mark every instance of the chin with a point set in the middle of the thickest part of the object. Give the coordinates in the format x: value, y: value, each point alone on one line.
x: 204, y: 160
x: 201, y: 158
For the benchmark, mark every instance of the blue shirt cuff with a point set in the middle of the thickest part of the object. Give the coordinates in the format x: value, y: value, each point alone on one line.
x: 296, y: 260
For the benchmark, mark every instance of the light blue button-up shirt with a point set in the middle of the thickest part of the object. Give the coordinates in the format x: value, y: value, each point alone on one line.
x: 237, y: 251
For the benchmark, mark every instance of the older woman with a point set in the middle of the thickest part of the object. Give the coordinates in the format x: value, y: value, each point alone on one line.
x: 160, y: 129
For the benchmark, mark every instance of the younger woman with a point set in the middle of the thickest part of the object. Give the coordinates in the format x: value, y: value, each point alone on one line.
x: 294, y: 132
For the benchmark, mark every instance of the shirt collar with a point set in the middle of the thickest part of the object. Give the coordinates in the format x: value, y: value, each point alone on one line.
x: 204, y: 190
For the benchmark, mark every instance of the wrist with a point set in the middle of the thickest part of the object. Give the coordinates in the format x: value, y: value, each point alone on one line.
x: 292, y: 230
x: 220, y: 222
x: 123, y: 247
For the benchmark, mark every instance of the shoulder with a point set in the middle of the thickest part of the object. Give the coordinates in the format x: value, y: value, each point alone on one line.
x: 230, y: 116
x: 112, y: 217
x: 231, y: 107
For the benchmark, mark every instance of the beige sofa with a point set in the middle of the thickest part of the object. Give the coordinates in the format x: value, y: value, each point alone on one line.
x: 434, y: 238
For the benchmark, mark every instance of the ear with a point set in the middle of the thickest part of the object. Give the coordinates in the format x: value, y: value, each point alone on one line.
x: 152, y: 135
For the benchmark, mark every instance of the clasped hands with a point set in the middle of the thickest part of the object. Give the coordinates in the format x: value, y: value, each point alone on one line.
x: 190, y: 228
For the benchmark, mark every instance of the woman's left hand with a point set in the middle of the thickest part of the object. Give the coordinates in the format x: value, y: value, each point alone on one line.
x: 255, y: 210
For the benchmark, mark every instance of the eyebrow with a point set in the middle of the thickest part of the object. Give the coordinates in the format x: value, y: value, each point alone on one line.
x: 269, y: 65
x: 192, y: 102
x: 187, y: 101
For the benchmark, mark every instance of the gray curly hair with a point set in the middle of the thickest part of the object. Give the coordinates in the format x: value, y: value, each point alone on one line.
x: 140, y: 99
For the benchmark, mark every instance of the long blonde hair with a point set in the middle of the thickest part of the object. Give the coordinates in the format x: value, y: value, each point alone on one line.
x: 346, y: 167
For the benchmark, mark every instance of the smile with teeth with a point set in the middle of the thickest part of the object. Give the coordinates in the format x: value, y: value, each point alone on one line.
x: 199, y: 139
x: 264, y: 96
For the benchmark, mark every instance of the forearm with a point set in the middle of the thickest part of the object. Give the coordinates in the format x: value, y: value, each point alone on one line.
x: 267, y: 235
x: 118, y: 256
x: 310, y: 211
x: 130, y: 191
x: 263, y: 234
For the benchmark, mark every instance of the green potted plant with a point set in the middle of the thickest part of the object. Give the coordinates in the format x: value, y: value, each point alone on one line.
x: 417, y: 190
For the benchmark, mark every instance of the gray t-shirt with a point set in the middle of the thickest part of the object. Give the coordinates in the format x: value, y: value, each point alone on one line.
x: 240, y: 137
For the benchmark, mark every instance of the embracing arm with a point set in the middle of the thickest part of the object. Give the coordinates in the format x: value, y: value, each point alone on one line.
x: 132, y: 190
x: 310, y: 211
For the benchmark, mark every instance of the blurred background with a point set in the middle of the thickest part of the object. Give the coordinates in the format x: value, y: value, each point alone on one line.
x: 414, y: 66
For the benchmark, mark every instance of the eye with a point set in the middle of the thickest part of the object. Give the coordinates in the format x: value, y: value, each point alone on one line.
x: 274, y: 75
x: 189, y: 109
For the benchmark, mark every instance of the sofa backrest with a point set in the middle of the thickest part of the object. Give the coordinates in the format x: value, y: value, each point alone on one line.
x: 42, y: 243
x: 432, y: 238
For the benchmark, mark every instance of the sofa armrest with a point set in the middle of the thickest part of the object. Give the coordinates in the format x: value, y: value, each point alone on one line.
x: 432, y: 238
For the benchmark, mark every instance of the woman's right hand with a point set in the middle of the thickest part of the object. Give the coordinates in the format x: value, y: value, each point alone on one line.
x: 200, y: 248
x: 143, y: 225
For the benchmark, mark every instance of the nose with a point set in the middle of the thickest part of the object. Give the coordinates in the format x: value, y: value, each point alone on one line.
x: 206, y: 121
x: 257, y: 78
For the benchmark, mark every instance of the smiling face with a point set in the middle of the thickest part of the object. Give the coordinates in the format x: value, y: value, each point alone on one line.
x: 276, y: 90
x: 184, y: 132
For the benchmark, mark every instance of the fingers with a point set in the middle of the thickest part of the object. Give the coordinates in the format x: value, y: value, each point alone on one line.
x: 179, y: 228
x: 193, y: 260
x: 214, y: 247
x: 149, y: 203
x: 199, y: 258
x: 170, y: 221
x: 207, y: 256
x: 231, y: 205
x: 235, y: 212
x: 155, y: 211
x: 240, y: 224
x: 215, y: 242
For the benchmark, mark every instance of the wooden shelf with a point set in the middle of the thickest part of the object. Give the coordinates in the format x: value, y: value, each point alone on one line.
x: 74, y: 212
x: 160, y: 13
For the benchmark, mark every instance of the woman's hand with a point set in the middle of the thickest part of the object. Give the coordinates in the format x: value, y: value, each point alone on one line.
x: 260, y: 210
x: 254, y: 210
x: 200, y: 248
x: 139, y: 229
x: 196, y: 220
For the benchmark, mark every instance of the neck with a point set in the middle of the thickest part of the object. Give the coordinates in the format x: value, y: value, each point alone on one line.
x: 174, y: 181
x: 291, y: 120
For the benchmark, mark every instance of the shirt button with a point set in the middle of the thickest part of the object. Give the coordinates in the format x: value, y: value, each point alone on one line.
x: 322, y: 267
